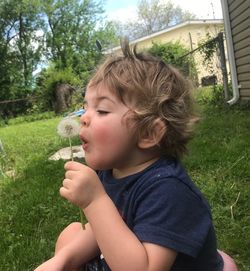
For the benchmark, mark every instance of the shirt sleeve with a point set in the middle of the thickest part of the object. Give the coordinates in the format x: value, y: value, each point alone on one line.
x: 169, y: 213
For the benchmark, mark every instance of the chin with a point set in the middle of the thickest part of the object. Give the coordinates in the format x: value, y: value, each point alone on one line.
x: 97, y: 165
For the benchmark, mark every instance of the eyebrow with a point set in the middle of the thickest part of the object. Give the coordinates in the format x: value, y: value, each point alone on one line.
x: 100, y: 98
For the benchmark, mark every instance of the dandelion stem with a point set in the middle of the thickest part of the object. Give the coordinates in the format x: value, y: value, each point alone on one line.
x: 233, y: 205
x: 72, y: 159
x: 71, y: 150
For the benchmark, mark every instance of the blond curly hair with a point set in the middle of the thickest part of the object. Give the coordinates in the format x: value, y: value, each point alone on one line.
x: 156, y: 91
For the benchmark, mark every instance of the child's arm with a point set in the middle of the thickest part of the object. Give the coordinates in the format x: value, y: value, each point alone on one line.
x: 81, y: 249
x: 120, y: 247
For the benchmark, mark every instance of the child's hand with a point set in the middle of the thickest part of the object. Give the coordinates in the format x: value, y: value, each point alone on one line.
x: 81, y: 185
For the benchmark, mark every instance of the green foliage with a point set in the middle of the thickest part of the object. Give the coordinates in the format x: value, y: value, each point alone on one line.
x: 172, y: 53
x: 70, y: 32
x: 48, y: 80
x: 207, y: 48
x: 19, y: 52
x: 212, y: 95
x: 107, y: 35
x: 34, y: 33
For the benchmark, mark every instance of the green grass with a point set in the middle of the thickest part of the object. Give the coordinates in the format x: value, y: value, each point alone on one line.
x: 32, y: 213
x: 27, y: 118
x: 219, y: 162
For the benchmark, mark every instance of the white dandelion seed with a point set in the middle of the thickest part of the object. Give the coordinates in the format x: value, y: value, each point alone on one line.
x: 68, y: 128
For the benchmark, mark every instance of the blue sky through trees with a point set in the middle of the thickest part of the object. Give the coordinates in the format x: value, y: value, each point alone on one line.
x: 126, y: 10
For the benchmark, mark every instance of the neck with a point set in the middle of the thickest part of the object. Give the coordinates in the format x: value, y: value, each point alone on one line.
x: 119, y: 173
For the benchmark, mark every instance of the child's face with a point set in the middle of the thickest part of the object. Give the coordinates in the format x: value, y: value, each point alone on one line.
x: 107, y: 139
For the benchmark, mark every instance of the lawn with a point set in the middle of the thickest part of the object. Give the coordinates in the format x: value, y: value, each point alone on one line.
x: 32, y: 212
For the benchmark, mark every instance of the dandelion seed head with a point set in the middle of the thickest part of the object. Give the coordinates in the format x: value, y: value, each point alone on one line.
x: 68, y: 127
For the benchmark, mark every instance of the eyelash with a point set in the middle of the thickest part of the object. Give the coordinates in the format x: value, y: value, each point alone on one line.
x: 99, y: 111
x: 102, y: 112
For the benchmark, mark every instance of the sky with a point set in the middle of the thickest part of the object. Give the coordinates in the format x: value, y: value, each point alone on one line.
x: 125, y: 10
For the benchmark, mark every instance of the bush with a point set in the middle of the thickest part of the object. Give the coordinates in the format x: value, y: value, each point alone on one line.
x: 172, y: 53
x: 212, y: 95
x: 47, y: 81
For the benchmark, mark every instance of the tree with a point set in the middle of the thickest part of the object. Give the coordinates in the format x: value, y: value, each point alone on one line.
x: 73, y: 27
x: 61, y: 33
x: 19, y: 50
x: 71, y: 33
x: 153, y: 16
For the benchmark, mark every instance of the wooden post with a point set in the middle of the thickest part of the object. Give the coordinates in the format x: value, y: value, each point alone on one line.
x: 223, y: 65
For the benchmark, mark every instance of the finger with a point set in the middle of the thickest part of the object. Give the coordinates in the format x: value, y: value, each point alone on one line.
x: 66, y: 183
x: 72, y: 165
x: 63, y: 192
x: 70, y: 174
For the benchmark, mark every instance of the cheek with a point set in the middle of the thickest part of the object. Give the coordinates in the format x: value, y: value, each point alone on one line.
x: 105, y: 134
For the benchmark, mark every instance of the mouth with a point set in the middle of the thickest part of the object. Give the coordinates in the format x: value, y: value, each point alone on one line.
x: 84, y: 143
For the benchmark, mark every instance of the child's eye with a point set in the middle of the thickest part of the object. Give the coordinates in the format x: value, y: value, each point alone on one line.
x: 102, y: 112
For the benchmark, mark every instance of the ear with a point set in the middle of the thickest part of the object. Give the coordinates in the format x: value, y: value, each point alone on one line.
x: 153, y: 137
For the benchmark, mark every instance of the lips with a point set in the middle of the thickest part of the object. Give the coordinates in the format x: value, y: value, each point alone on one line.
x: 84, y: 143
x: 85, y: 146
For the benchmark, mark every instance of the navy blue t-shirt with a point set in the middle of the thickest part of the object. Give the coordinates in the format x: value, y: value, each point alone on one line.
x: 162, y: 205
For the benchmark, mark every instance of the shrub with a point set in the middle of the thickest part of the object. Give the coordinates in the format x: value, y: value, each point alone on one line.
x: 173, y: 53
x: 212, y: 95
x: 47, y: 81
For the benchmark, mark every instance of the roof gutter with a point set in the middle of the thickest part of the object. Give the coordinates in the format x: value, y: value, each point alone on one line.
x: 230, y: 52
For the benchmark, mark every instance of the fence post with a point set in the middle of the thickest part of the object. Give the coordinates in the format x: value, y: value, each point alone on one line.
x: 223, y: 65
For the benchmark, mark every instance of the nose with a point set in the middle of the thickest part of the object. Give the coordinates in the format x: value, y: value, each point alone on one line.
x: 85, y: 119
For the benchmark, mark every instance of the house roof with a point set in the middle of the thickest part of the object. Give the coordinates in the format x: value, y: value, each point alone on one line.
x: 172, y: 28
